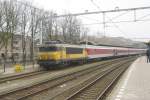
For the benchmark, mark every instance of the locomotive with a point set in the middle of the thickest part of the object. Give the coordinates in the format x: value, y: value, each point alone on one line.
x: 57, y: 53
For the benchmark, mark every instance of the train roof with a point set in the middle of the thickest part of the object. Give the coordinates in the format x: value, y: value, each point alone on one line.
x: 86, y: 46
x: 61, y: 45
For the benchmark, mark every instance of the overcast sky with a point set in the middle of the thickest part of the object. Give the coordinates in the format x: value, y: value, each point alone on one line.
x: 128, y: 30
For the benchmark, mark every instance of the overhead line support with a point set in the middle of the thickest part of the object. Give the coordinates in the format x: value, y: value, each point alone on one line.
x: 107, y: 11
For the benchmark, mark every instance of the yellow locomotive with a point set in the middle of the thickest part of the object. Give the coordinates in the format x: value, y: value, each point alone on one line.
x: 52, y: 54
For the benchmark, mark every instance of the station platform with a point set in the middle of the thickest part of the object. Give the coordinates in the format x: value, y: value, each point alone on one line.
x: 135, y: 82
x: 10, y: 71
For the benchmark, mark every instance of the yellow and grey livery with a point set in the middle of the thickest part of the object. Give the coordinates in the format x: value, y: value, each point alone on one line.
x: 50, y: 54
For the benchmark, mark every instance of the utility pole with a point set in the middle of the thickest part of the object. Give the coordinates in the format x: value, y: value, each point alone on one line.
x: 104, y: 24
x: 135, y: 15
x: 41, y: 35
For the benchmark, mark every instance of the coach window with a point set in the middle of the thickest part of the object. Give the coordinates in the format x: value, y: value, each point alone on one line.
x: 70, y: 50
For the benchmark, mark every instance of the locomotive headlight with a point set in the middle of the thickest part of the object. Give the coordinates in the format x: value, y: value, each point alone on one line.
x: 39, y: 57
x: 43, y: 56
x: 46, y: 57
x: 50, y: 55
x: 54, y: 55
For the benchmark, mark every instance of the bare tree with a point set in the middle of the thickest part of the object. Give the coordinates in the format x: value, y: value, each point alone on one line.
x: 36, y: 19
x: 5, y: 25
x: 24, y: 29
x: 56, y: 30
x: 1, y: 25
x: 64, y: 24
x: 84, y: 34
x: 14, y: 20
x: 71, y: 29
x: 48, y: 25
x: 29, y: 22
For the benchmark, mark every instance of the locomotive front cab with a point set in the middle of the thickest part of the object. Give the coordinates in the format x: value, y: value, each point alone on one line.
x: 48, y: 55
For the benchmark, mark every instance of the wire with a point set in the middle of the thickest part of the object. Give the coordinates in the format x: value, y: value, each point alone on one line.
x: 95, y: 4
x: 90, y: 18
x: 119, y: 22
x: 144, y: 16
x: 119, y: 16
x: 110, y: 20
x: 139, y: 38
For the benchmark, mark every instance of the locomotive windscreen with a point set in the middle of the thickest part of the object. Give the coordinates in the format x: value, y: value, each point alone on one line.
x: 70, y: 50
x: 47, y: 49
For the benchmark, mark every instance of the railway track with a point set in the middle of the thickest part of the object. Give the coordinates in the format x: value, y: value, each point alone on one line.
x: 93, y: 88
x: 20, y: 76
x: 30, y: 91
x: 96, y: 89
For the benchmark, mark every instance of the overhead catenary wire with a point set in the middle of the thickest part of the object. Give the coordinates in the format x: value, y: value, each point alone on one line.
x: 144, y: 16
x: 110, y: 20
x: 114, y: 18
x: 127, y: 21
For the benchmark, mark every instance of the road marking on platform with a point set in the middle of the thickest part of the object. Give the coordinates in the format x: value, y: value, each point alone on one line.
x: 120, y: 92
x: 119, y: 96
x: 121, y: 89
x: 63, y: 85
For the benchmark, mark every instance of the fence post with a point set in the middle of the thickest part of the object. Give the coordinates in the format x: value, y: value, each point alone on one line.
x: 4, y: 61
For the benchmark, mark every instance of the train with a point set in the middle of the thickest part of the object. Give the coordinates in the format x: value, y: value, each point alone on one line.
x: 50, y: 54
